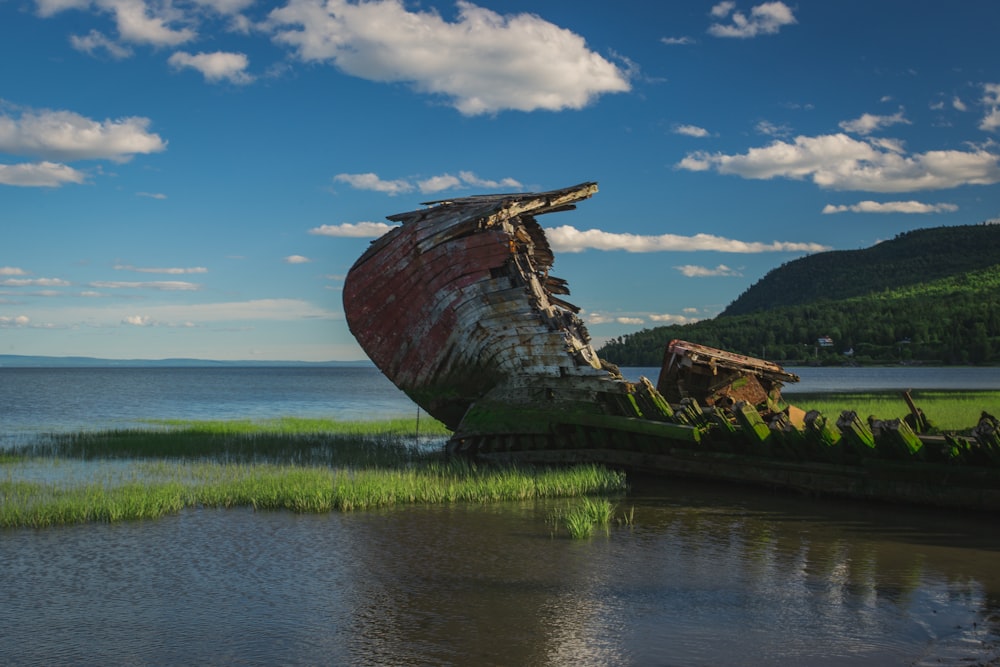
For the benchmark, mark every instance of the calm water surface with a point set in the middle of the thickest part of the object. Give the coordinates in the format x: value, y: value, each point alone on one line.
x: 706, y: 575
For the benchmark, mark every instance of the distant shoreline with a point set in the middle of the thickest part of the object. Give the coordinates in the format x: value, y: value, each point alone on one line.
x: 28, y: 361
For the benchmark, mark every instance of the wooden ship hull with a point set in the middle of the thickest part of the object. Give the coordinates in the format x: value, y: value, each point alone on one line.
x: 457, y: 308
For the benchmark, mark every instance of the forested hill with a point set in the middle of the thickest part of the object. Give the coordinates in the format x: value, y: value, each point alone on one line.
x: 912, y: 258
x: 930, y: 295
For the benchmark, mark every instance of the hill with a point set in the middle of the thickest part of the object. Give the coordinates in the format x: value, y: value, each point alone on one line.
x: 930, y: 295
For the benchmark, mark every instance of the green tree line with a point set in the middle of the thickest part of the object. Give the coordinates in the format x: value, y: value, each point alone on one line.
x: 934, y: 315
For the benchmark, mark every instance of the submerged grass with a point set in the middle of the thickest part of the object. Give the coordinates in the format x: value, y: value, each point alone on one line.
x: 585, y: 516
x: 952, y: 411
x: 286, y: 440
x: 292, y: 465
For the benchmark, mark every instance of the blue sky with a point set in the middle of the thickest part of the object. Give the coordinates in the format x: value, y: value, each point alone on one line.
x: 195, y: 178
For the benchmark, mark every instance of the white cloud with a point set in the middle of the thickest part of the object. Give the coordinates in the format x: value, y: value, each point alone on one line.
x: 692, y: 271
x: 151, y: 195
x: 439, y: 183
x: 360, y: 230
x: 890, y: 207
x: 296, y: 259
x: 34, y: 282
x: 630, y: 320
x: 140, y: 23
x: 673, y: 319
x: 570, y: 239
x: 11, y: 271
x: 482, y: 63
x: 690, y: 131
x: 722, y: 9
x: 770, y: 129
x: 10, y: 322
x: 840, y: 162
x: 765, y: 19
x: 64, y: 135
x: 991, y: 99
x: 215, y: 67
x: 39, y: 174
x: 958, y: 104
x: 869, y: 123
x: 170, y: 271
x: 95, y: 41
x: 371, y: 181
x: 160, y: 285
x: 470, y: 178
x: 139, y: 320
x: 677, y: 41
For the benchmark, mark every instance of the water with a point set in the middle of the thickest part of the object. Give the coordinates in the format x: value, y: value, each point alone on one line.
x: 55, y: 400
x: 706, y: 575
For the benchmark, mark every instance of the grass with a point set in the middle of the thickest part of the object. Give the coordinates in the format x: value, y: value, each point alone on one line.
x: 291, y: 465
x: 586, y: 515
x: 287, y: 440
x: 951, y: 411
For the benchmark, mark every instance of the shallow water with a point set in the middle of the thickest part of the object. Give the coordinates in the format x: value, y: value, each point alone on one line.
x: 706, y: 575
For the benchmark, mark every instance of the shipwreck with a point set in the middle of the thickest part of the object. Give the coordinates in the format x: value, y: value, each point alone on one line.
x: 457, y: 307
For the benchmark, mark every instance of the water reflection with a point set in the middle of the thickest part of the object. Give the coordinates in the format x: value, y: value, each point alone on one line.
x: 706, y: 576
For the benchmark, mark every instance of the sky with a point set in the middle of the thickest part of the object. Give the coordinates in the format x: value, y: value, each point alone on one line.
x: 194, y: 178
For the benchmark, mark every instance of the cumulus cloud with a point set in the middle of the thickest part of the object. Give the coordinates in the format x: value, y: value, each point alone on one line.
x: 95, y: 43
x: 692, y: 271
x: 569, y: 239
x: 840, y: 162
x: 296, y: 259
x: 370, y: 181
x: 481, y: 63
x: 764, y: 19
x: 64, y: 135
x: 869, y: 123
x: 358, y: 230
x: 890, y: 207
x: 991, y: 100
x: 667, y: 318
x: 39, y: 174
x: 677, y: 41
x: 439, y: 183
x: 690, y: 131
x: 11, y: 271
x: 215, y: 67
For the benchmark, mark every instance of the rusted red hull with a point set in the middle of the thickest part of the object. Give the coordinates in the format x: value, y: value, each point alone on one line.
x: 456, y: 306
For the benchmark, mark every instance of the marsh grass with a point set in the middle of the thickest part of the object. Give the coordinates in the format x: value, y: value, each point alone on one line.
x: 951, y: 411
x: 287, y: 440
x: 585, y: 516
x: 293, y: 465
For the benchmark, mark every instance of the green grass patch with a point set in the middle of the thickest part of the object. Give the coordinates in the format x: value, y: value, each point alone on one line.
x: 586, y: 515
x: 951, y: 411
x: 164, y: 488
x: 296, y: 465
x: 287, y: 440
